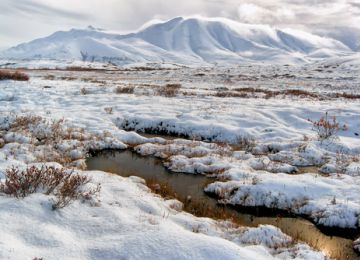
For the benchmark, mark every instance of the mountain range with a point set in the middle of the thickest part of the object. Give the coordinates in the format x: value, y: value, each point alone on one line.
x: 194, y: 40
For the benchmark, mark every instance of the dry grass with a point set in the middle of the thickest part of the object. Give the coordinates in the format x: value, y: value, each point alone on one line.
x: 124, y: 90
x: 108, y: 110
x: 23, y: 122
x: 327, y: 127
x: 46, y: 135
x: 250, y: 92
x: 161, y: 188
x: 347, y: 95
x: 245, y: 143
x: 49, y: 77
x: 196, y: 207
x: 68, y: 78
x: 169, y: 90
x: 49, y: 180
x: 78, y: 68
x: 84, y: 91
x: 17, y: 75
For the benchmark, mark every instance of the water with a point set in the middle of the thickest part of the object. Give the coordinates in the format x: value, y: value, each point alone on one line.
x: 128, y: 163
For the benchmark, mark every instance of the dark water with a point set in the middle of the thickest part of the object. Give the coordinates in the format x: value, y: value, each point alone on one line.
x: 127, y: 163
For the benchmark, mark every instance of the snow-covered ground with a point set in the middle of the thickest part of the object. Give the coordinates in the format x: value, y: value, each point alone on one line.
x: 130, y: 222
x: 271, y: 140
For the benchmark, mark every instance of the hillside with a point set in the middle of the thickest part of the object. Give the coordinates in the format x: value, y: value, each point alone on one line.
x: 185, y: 41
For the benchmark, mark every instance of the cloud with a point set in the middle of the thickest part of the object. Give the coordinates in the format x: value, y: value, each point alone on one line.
x: 34, y: 8
x: 252, y: 13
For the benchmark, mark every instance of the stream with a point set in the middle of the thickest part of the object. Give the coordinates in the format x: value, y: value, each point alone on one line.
x: 127, y: 163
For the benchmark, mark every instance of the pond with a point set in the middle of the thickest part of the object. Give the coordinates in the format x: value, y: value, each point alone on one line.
x: 128, y: 163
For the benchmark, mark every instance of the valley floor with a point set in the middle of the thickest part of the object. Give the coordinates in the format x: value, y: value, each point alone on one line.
x: 247, y: 126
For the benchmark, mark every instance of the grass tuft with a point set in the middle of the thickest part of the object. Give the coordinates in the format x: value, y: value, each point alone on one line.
x: 17, y: 75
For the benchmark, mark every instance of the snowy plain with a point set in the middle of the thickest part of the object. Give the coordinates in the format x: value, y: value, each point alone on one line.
x: 270, y: 135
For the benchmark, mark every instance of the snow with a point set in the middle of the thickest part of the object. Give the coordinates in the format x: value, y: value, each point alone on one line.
x: 131, y: 222
x: 184, y: 40
x: 357, y: 245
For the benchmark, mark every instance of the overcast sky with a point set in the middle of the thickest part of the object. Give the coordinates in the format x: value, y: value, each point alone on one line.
x: 24, y: 20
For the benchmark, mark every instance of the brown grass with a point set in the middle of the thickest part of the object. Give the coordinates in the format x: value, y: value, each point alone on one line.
x: 250, y: 92
x: 17, y: 75
x: 196, y: 207
x: 78, y: 68
x: 327, y: 127
x: 124, y: 90
x: 45, y: 136
x: 245, y: 143
x: 49, y: 180
x: 169, y: 90
x: 68, y: 78
x: 347, y: 95
x: 49, y: 77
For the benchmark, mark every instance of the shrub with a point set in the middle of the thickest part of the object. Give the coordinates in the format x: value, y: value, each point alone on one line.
x: 246, y: 143
x: 108, y: 110
x: 69, y: 190
x: 84, y: 91
x: 327, y: 127
x: 125, y: 90
x: 49, y: 77
x: 17, y: 75
x: 20, y: 184
x: 169, y: 90
x: 50, y: 180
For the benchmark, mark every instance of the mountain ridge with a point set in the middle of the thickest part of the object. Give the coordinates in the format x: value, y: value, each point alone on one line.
x: 192, y: 40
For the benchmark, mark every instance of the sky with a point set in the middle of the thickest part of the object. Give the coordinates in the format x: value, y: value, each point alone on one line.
x: 25, y: 20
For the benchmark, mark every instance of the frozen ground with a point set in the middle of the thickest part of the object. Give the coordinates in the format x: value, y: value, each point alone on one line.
x: 266, y: 125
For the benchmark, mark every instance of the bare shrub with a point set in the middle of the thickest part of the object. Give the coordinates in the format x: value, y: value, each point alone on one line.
x: 46, y: 135
x: 169, y: 90
x: 124, y: 90
x: 68, y: 78
x: 17, y: 75
x: 20, y: 184
x: 245, y: 143
x: 23, y: 122
x: 69, y: 190
x: 327, y: 127
x: 84, y: 91
x: 108, y: 110
x: 49, y: 180
x: 49, y: 77
x: 255, y: 180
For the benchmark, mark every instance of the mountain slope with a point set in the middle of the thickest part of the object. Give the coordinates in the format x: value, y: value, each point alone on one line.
x: 180, y: 40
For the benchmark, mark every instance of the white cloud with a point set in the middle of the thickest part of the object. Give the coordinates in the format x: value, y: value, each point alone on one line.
x: 252, y: 13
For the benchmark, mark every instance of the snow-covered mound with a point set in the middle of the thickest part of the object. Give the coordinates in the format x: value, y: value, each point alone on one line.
x: 183, y: 40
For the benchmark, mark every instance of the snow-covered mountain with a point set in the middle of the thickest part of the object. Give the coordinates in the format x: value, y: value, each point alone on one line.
x: 183, y: 40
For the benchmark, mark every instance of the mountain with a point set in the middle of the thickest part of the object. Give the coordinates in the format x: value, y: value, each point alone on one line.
x: 183, y: 40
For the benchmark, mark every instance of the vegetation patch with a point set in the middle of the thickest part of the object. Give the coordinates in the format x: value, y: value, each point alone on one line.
x: 13, y: 75
x: 66, y: 186
x: 169, y: 90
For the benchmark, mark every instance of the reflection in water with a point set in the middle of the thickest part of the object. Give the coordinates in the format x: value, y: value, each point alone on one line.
x: 127, y: 163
